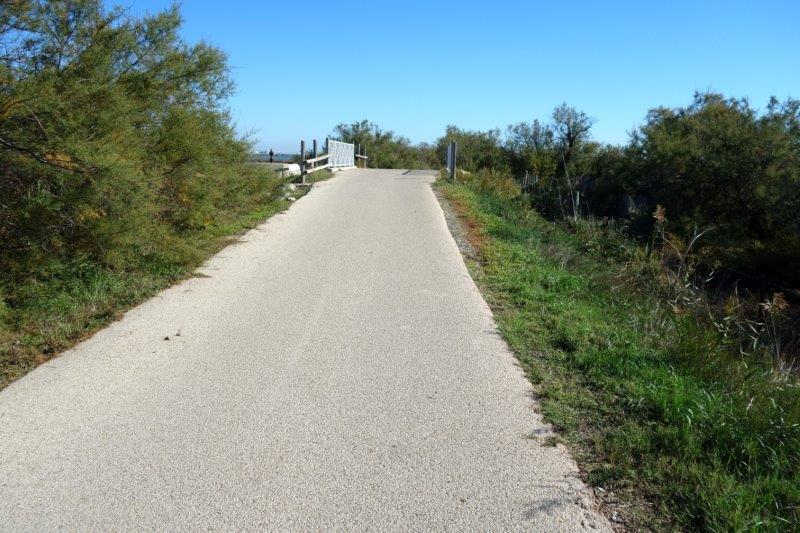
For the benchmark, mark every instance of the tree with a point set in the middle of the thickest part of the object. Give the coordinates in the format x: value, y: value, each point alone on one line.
x: 717, y: 162
x: 477, y: 150
x: 108, y: 124
x: 532, y: 147
x: 385, y: 149
x: 571, y: 128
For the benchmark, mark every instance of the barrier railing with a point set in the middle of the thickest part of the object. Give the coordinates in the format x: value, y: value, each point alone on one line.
x: 337, y: 155
x: 315, y: 162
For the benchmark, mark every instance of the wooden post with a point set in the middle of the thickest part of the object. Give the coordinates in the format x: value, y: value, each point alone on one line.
x: 326, y: 145
x: 314, y: 149
x: 303, y: 161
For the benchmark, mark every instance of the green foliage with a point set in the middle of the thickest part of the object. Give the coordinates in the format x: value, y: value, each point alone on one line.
x: 385, y: 149
x: 476, y: 149
x: 653, y: 404
x: 120, y: 168
x: 722, y: 177
x: 718, y: 163
x: 715, y: 163
x: 109, y: 127
x: 531, y: 147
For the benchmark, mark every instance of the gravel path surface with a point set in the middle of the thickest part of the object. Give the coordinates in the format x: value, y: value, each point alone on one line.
x: 337, y: 368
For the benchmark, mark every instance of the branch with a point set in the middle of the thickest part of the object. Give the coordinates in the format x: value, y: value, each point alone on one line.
x: 40, y: 158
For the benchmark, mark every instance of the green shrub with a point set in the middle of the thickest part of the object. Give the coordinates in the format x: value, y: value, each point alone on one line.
x: 113, y: 135
x: 476, y: 150
x: 385, y: 149
x: 718, y: 163
x: 120, y: 168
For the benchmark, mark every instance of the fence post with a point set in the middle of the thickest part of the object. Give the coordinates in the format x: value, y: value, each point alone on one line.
x: 314, y: 149
x: 326, y: 146
x: 303, y: 161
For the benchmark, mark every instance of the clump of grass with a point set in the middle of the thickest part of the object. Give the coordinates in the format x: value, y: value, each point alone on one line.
x: 655, y: 405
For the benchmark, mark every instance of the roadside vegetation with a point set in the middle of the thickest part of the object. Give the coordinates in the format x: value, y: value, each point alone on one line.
x: 672, y: 425
x: 714, y: 186
x: 120, y: 169
x: 651, y: 293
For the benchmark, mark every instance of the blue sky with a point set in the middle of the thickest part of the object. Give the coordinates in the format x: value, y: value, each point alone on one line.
x: 414, y: 67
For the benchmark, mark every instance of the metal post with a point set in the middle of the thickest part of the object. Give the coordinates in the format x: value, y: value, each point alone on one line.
x: 303, y: 161
x: 455, y: 157
x: 452, y: 158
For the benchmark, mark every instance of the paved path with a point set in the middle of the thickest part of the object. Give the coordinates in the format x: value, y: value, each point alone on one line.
x: 336, y: 369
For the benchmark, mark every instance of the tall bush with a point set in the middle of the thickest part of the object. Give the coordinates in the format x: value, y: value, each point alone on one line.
x: 719, y: 163
x: 112, y: 133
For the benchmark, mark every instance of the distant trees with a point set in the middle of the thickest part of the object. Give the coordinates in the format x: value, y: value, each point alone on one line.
x: 716, y: 162
x: 555, y: 155
x: 532, y: 144
x: 386, y: 149
x: 476, y: 149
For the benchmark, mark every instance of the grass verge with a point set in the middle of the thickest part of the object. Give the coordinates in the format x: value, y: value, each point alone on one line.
x: 65, y: 301
x: 672, y: 429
